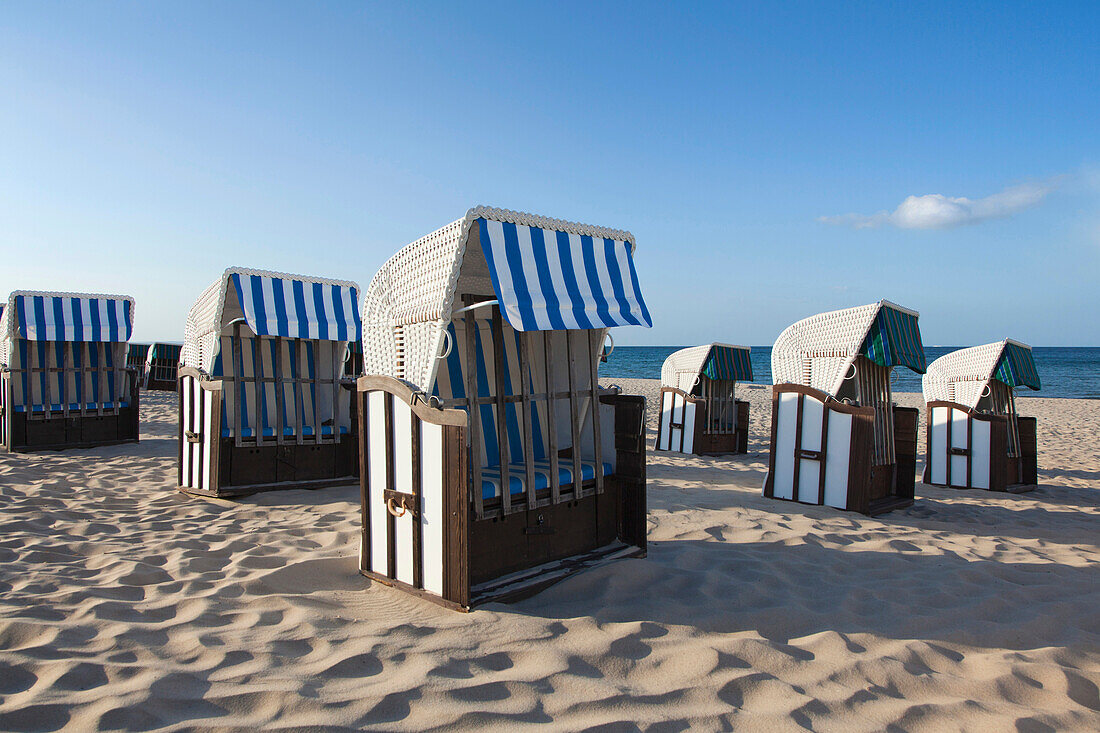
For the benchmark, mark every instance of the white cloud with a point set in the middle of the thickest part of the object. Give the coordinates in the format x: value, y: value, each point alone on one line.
x: 936, y: 211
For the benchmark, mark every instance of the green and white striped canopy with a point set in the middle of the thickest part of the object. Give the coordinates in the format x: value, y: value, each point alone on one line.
x: 728, y: 362
x: 1016, y: 367
x: 894, y: 340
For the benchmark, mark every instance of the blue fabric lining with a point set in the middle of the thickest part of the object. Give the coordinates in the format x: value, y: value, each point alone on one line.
x: 517, y: 476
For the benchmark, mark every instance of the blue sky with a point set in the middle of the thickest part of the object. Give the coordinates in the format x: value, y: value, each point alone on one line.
x: 762, y: 156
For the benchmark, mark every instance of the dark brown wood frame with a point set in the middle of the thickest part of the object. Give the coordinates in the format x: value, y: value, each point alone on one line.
x: 27, y: 431
x: 510, y: 555
x: 705, y: 442
x: 322, y: 463
x: 872, y: 490
x: 162, y: 374
x: 1006, y: 473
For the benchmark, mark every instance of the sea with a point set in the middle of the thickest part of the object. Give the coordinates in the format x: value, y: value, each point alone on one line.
x: 1065, y: 371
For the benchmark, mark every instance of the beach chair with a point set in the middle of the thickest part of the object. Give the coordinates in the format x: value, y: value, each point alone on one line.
x: 699, y: 411
x: 975, y: 438
x: 136, y: 356
x: 837, y: 439
x: 264, y: 403
x: 162, y: 366
x: 493, y: 462
x: 64, y: 379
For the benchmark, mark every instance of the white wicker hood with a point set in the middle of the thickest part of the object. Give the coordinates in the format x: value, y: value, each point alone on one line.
x: 818, y: 351
x: 962, y: 376
x: 410, y: 300
x: 682, y: 368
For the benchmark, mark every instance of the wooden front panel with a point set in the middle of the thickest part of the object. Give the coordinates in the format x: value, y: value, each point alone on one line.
x: 818, y: 454
x: 742, y: 426
x: 1029, y: 465
x: 504, y: 545
x: 676, y: 428
x: 905, y: 450
x: 967, y: 449
x: 5, y: 411
x: 414, y: 491
x: 860, y: 462
x: 630, y: 467
x: 199, y: 435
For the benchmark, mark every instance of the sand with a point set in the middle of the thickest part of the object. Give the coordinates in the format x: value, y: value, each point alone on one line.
x: 125, y: 605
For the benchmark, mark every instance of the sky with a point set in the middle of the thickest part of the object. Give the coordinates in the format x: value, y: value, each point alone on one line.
x: 772, y: 160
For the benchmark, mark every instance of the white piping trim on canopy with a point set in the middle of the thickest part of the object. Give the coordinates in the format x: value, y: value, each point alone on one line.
x: 56, y: 316
x: 273, y: 303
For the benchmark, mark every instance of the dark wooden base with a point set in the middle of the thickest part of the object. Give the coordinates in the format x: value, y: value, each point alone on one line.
x: 67, y: 446
x: 405, y: 587
x: 162, y: 385
x: 228, y: 492
x: 1010, y: 489
x: 538, y: 536
x: 716, y: 444
x: 76, y: 431
x: 888, y: 504
x: 528, y: 582
x: 251, y: 469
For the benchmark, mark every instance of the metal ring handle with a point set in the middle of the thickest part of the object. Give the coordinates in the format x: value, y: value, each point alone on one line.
x: 853, y: 374
x: 390, y: 508
x: 612, y: 340
x: 450, y: 344
x: 986, y: 391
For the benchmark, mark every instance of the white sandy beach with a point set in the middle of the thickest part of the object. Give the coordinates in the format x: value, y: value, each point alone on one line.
x: 125, y: 605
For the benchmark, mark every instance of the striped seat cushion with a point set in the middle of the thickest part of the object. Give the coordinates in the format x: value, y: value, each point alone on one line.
x: 270, y: 432
x: 491, y: 480
x: 72, y: 406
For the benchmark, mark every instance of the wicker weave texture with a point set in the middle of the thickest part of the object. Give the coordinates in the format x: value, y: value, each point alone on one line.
x: 682, y: 368
x: 409, y: 302
x: 962, y: 376
x: 817, y: 351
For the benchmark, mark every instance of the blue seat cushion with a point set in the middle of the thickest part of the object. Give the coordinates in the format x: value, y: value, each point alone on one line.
x: 517, y: 476
x: 72, y: 406
x: 270, y: 432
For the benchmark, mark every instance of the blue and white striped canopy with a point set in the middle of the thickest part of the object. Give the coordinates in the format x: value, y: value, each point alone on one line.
x: 295, y: 308
x: 72, y: 318
x: 548, y: 280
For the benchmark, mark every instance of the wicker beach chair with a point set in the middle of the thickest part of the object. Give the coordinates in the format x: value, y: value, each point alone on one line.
x: 64, y: 379
x: 837, y: 438
x: 699, y: 410
x: 976, y: 439
x: 162, y: 366
x: 136, y: 356
x: 494, y: 463
x: 264, y: 403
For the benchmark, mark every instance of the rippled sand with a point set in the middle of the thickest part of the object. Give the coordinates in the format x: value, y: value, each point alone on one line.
x: 124, y: 605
